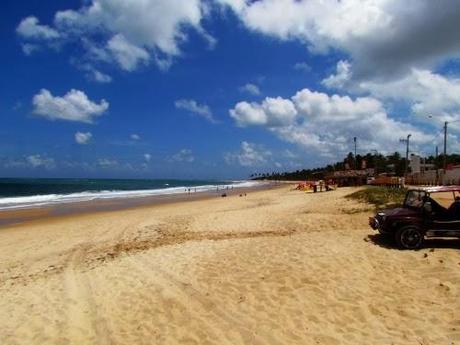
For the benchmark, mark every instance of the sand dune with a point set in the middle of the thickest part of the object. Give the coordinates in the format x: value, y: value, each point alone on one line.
x: 275, y: 267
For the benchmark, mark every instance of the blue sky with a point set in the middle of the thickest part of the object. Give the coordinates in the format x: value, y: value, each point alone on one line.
x: 220, y: 88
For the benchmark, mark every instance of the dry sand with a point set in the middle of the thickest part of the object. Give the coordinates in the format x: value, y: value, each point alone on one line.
x: 275, y: 267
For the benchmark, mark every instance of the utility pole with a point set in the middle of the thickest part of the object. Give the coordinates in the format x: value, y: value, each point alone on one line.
x: 444, y: 158
x: 436, y: 166
x: 354, y: 139
x: 407, y: 153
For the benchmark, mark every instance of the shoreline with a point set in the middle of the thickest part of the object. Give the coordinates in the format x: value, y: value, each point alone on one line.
x: 17, y: 217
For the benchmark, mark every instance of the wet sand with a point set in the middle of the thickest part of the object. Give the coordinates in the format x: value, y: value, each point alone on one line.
x: 21, y: 215
x: 275, y: 267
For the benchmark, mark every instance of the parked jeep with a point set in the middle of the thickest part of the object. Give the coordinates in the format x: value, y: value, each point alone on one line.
x: 426, y: 212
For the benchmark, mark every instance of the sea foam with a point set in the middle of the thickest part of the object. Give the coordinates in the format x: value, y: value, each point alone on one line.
x: 34, y: 201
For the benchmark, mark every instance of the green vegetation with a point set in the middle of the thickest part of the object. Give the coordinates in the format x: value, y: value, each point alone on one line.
x: 393, y: 164
x: 380, y: 197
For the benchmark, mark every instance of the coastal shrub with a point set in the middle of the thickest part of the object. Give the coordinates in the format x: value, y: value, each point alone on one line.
x: 380, y: 197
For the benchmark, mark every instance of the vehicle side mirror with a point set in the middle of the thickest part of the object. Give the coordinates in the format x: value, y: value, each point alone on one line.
x: 427, y: 207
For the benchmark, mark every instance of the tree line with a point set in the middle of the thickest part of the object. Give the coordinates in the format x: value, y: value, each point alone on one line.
x: 393, y: 164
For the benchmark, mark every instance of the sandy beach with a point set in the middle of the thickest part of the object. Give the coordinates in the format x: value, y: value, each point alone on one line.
x: 275, y: 267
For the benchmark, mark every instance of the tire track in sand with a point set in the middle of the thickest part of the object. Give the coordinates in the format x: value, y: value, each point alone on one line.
x: 223, y: 321
x: 84, y: 323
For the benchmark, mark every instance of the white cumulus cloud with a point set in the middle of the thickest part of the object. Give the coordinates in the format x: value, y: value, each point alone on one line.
x: 324, y: 124
x: 302, y: 66
x: 94, y: 74
x: 271, y: 112
x: 428, y: 93
x: 134, y: 31
x: 252, y: 89
x: 39, y: 161
x: 382, y: 37
x: 101, y: 77
x: 147, y: 157
x: 127, y: 55
x: 107, y: 163
x: 83, y: 138
x: 184, y: 155
x: 249, y: 155
x: 341, y: 77
x: 192, y: 106
x: 73, y: 106
x: 29, y: 28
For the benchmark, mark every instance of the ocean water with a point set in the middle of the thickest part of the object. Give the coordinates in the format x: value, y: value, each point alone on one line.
x: 28, y: 193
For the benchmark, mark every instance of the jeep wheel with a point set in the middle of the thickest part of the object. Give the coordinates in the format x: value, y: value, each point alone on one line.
x: 409, y: 237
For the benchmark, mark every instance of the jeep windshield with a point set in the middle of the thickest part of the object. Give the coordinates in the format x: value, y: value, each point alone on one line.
x: 414, y: 198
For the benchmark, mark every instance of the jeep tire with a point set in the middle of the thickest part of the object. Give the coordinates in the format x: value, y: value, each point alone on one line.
x: 409, y: 237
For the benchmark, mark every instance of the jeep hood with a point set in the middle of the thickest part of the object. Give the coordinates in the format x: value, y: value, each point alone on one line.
x: 399, y: 212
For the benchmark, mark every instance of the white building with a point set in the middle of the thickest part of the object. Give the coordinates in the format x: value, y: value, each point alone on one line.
x: 417, y: 164
x: 426, y: 174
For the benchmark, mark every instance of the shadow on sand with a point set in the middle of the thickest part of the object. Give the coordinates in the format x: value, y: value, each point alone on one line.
x: 389, y: 243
